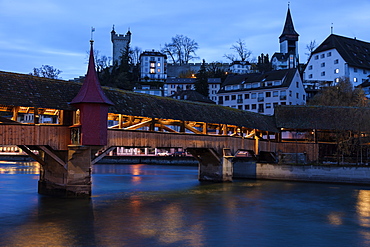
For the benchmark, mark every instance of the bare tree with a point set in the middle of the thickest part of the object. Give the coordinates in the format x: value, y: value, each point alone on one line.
x: 181, y: 50
x: 46, y: 71
x: 135, y: 55
x: 241, y: 50
x: 311, y: 47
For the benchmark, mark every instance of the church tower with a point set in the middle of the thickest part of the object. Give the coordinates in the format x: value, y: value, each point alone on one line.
x: 289, y: 37
x: 288, y: 57
x: 120, y: 43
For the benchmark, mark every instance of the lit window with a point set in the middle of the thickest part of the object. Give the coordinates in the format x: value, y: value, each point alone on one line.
x: 336, y: 71
x: 152, y: 71
x: 355, y: 79
x: 152, y: 65
x: 158, y: 70
x: 337, y: 79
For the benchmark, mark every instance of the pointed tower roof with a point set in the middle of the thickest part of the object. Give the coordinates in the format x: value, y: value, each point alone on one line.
x: 288, y: 31
x: 91, y: 91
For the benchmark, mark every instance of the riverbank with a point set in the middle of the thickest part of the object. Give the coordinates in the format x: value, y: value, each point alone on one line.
x: 156, y: 160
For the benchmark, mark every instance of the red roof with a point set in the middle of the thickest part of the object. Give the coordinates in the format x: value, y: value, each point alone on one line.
x: 91, y: 91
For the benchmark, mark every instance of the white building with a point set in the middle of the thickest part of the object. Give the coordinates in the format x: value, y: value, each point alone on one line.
x: 176, y: 84
x: 338, y: 57
x: 153, y: 66
x: 262, y: 92
x: 241, y: 67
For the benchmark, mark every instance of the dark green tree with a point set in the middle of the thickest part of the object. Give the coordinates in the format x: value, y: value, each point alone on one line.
x: 263, y: 64
x: 120, y: 75
x: 201, y: 83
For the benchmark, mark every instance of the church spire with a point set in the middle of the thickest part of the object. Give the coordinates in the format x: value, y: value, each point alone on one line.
x: 91, y: 91
x: 288, y: 31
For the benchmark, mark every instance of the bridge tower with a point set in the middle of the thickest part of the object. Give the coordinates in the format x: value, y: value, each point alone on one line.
x: 88, y: 135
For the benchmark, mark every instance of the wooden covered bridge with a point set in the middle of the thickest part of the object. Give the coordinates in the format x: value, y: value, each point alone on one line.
x: 67, y: 123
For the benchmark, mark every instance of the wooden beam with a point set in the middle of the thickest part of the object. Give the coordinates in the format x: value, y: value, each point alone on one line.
x: 139, y: 125
x: 102, y: 155
x: 32, y: 155
x: 53, y: 156
x: 192, y: 129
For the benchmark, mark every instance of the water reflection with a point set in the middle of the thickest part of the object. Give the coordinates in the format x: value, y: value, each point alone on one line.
x: 141, y: 205
x: 9, y: 167
x: 363, y: 207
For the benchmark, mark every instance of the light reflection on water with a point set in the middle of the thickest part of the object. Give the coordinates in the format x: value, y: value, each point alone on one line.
x: 142, y: 205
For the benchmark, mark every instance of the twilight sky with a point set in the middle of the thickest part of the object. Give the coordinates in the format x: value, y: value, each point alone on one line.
x: 57, y: 33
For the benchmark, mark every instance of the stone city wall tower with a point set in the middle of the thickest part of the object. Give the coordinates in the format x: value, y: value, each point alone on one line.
x: 120, y: 42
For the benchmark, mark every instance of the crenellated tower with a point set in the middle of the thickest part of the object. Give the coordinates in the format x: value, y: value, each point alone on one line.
x: 120, y: 41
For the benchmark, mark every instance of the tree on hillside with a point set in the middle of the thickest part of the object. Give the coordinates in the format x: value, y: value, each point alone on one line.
x: 242, y: 53
x: 263, y: 64
x: 341, y: 94
x: 121, y: 74
x: 181, y: 49
x: 47, y: 71
x: 201, y: 83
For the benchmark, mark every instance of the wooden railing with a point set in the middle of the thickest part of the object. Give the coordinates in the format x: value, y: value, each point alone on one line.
x: 56, y: 136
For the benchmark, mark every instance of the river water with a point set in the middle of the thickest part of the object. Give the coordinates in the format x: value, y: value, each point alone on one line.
x: 157, y: 205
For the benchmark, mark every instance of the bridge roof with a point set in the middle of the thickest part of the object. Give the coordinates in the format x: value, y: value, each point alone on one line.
x: 323, y: 117
x: 30, y: 91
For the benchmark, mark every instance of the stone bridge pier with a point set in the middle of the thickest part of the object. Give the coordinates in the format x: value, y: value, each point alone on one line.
x: 212, y: 165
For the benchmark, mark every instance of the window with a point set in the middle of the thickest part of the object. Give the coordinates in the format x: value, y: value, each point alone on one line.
x: 240, y: 99
x: 254, y: 95
x: 310, y: 76
x: 316, y: 57
x: 323, y: 73
x: 246, y: 107
x: 227, y: 97
x: 355, y: 70
x: 275, y: 93
x: 158, y: 64
x: 268, y: 105
x: 322, y: 55
x: 355, y: 79
x: 297, y: 95
x: 336, y: 71
x: 268, y: 94
x: 283, y: 95
x: 158, y: 70
x: 337, y: 79
x: 290, y: 93
x: 260, y: 97
x: 364, y: 71
x: 233, y: 97
x: 152, y: 65
x: 240, y: 107
x: 283, y: 103
x: 336, y: 61
x: 159, y: 59
x: 246, y: 96
x: 275, y: 104
x: 322, y: 64
x: 297, y: 84
x: 152, y: 71
x: 304, y: 97
x: 254, y: 106
x: 310, y: 67
x: 329, y: 54
x: 260, y: 108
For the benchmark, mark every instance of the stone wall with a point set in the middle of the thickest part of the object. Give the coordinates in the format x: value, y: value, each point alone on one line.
x: 311, y: 173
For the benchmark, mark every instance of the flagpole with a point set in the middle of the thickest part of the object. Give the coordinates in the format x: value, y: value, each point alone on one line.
x: 92, y: 30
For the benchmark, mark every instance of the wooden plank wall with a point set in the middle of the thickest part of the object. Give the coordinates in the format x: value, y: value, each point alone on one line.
x: 56, y: 136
